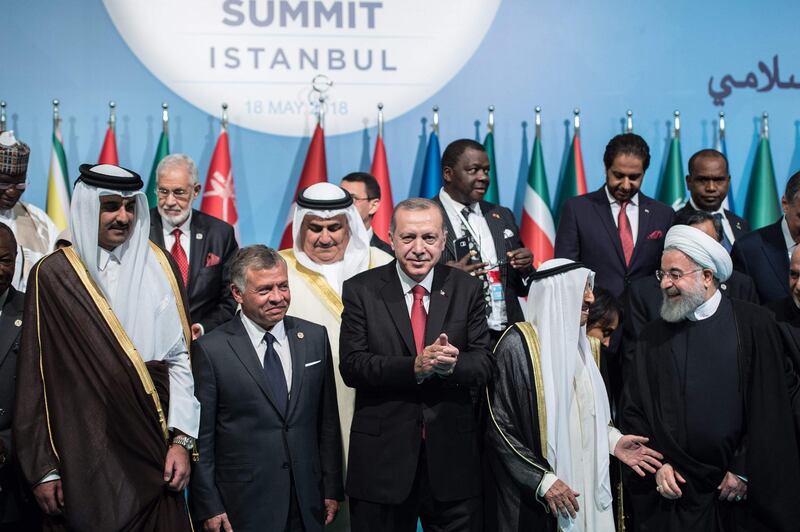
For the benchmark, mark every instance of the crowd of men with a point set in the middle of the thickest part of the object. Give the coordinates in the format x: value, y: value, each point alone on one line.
x: 154, y: 376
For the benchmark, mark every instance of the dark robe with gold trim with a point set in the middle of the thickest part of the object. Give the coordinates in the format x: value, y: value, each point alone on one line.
x: 82, y: 410
x: 767, y: 391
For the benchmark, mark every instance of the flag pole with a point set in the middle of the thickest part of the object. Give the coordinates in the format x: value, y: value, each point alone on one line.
x: 112, y: 116
x: 224, y: 121
x: 676, y: 130
x: 765, y: 125
x: 2, y: 115
x: 165, y: 117
x: 56, y: 114
x: 490, y: 122
x: 577, y: 121
x: 629, y: 121
x: 538, y: 122
x: 721, y: 125
x: 435, y: 125
x: 380, y: 120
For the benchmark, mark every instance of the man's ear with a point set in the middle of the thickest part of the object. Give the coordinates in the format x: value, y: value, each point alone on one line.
x: 237, y: 295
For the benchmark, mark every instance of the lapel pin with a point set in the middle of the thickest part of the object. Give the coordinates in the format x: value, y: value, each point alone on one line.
x: 647, y: 211
x: 723, y: 286
x: 495, y: 215
x: 738, y: 225
x: 18, y: 323
x: 198, y: 236
x: 441, y: 292
x: 300, y: 334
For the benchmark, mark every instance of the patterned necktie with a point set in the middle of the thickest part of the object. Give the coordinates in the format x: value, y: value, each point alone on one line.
x: 276, y: 378
x: 476, y: 258
x: 725, y: 242
x: 419, y: 317
x: 179, y: 255
x: 625, y: 233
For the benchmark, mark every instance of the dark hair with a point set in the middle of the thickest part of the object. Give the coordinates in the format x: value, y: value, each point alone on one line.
x: 627, y: 144
x: 455, y: 149
x: 7, y: 230
x: 708, y: 153
x: 416, y: 204
x: 258, y: 257
x: 370, y: 183
x: 695, y: 217
x: 792, y: 187
x: 604, y: 308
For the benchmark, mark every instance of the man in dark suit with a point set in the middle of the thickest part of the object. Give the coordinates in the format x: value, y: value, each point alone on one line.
x: 787, y: 311
x: 413, y: 342
x: 483, y: 238
x: 616, y: 231
x: 201, y: 245
x: 271, y: 455
x: 17, y: 511
x: 708, y: 182
x: 764, y: 254
x: 366, y: 194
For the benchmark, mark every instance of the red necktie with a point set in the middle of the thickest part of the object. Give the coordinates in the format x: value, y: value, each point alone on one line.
x: 625, y: 234
x: 180, y: 256
x: 419, y: 317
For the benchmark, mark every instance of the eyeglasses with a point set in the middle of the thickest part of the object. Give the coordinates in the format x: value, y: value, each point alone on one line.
x: 178, y: 193
x: 17, y: 186
x: 674, y: 275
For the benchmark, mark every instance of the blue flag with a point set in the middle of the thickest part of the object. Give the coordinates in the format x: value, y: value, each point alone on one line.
x: 722, y: 147
x: 432, y: 169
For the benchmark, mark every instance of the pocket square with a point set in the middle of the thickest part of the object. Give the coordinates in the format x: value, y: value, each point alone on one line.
x: 313, y: 363
x: 508, y: 233
x: 655, y: 235
x: 211, y: 260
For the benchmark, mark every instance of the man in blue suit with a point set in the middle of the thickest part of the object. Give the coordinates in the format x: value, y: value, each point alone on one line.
x: 764, y: 253
x: 616, y: 231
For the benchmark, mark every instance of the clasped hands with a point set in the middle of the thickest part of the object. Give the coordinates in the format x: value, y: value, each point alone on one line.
x: 439, y: 358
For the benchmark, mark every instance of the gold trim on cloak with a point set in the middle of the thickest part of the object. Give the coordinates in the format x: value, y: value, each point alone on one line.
x: 176, y: 289
x: 317, y: 282
x: 596, y: 346
x: 41, y: 363
x: 534, y: 351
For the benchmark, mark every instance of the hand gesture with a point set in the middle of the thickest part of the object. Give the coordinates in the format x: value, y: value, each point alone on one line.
x: 667, y: 480
x: 473, y: 269
x: 732, y: 488
x: 632, y: 452
x: 177, y: 468
x: 218, y: 523
x: 520, y: 259
x: 49, y: 496
x: 561, y: 499
x: 446, y: 356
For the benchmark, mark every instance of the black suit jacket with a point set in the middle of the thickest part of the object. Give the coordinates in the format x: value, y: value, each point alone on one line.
x: 10, y: 329
x: 739, y: 225
x: 501, y: 224
x: 381, y: 245
x: 249, y: 451
x: 377, y: 355
x: 588, y: 233
x: 762, y: 255
x: 210, y: 300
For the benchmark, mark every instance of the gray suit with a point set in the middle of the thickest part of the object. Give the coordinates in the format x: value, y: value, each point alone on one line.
x: 250, y: 454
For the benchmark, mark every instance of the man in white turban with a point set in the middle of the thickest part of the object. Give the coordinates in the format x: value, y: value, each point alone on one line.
x: 711, y: 387
x: 550, y: 433
x: 105, y: 414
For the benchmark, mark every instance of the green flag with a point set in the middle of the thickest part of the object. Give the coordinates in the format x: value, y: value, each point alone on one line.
x: 762, y: 206
x: 672, y: 187
x: 161, y: 151
x: 573, y: 181
x: 492, y: 196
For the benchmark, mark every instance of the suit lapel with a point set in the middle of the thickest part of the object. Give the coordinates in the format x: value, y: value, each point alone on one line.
x: 198, y: 248
x: 10, y: 322
x: 776, y: 254
x: 439, y: 303
x: 393, y: 297
x: 156, y: 228
x: 450, y: 246
x: 736, y: 224
x: 243, y: 349
x: 297, y: 347
x: 645, y: 223
x: 601, y: 205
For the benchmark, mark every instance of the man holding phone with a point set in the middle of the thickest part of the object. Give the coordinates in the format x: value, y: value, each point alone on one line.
x: 483, y: 238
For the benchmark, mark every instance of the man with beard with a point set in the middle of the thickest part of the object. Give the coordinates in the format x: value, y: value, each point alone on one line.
x: 35, y: 232
x: 711, y: 388
x: 105, y: 415
x: 550, y: 434
x: 201, y: 245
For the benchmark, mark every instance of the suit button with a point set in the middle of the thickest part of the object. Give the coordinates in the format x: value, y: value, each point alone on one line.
x: 285, y: 465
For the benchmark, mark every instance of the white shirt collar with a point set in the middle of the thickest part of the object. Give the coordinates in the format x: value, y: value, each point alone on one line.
x: 256, y: 332
x: 104, y: 256
x: 634, y: 201
x: 185, y: 227
x: 370, y: 233
x: 787, y: 236
x: 408, y: 283
x: 707, y: 309
x: 455, y: 206
x: 695, y: 207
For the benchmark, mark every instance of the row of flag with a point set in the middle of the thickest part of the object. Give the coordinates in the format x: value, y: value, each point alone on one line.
x: 539, y: 216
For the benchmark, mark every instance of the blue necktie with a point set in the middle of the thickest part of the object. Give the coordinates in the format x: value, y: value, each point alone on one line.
x: 276, y: 378
x: 725, y: 242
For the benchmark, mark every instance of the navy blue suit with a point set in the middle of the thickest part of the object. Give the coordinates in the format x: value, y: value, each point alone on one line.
x: 587, y: 232
x: 762, y: 255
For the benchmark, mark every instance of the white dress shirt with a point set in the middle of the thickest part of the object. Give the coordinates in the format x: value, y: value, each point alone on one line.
x: 485, y: 243
x: 186, y: 234
x: 632, y: 210
x: 707, y: 308
x: 256, y: 333
x: 787, y: 237
x: 407, y: 283
x: 726, y: 225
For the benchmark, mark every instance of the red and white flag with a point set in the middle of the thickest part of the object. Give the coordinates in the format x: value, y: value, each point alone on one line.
x: 219, y: 196
x: 108, y: 154
x: 315, y: 170
x: 380, y: 169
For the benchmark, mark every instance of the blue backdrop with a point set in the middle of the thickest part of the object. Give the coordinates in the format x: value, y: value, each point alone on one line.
x: 604, y: 57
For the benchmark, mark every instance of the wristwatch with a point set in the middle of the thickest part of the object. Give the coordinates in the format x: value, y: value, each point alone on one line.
x: 188, y: 443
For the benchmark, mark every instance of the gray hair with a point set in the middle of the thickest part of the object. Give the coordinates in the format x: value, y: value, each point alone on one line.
x: 417, y: 204
x: 180, y: 160
x: 256, y: 257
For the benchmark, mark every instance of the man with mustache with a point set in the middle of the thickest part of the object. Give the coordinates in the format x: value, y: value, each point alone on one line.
x: 36, y: 233
x: 106, y: 416
x: 201, y: 245
x: 482, y: 238
x: 616, y: 231
x: 712, y: 389
x: 269, y: 419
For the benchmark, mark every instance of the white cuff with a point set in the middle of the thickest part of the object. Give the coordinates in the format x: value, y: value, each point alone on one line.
x: 547, y: 482
x: 51, y: 476
x: 614, y: 435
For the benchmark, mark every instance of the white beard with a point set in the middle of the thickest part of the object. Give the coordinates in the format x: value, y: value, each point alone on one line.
x: 679, y: 309
x: 177, y: 219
